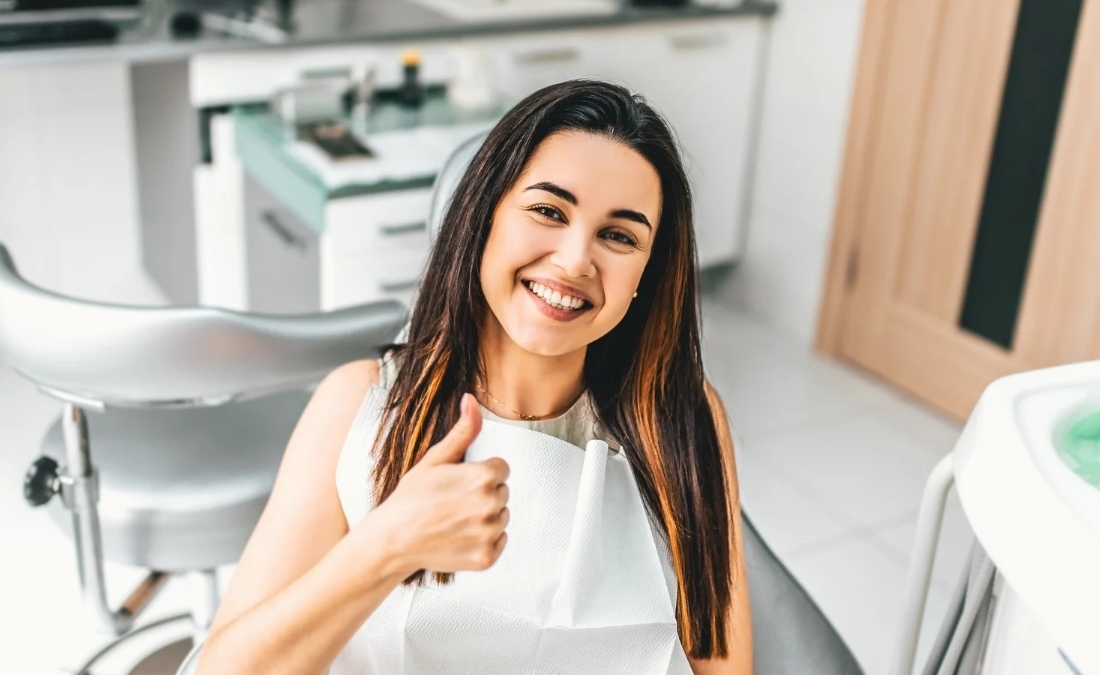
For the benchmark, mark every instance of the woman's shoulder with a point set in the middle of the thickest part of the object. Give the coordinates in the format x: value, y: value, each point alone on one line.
x: 356, y: 375
x: 338, y: 397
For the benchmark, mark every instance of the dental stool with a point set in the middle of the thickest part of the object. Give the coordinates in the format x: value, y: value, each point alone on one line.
x: 174, y: 423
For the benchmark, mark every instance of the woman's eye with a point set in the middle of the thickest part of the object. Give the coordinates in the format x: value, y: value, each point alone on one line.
x: 621, y: 238
x: 547, y: 212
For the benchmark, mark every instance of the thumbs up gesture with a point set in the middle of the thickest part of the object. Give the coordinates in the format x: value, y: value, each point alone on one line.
x: 449, y: 515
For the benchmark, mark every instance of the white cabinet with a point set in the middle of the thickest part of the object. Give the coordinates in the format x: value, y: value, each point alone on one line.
x: 374, y: 247
x: 256, y: 255
x: 282, y: 259
x: 523, y: 65
x: 703, y: 78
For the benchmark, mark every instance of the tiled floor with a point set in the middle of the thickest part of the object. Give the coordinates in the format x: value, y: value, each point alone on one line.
x: 831, y: 467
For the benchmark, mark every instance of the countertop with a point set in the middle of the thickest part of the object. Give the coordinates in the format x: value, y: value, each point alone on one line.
x: 325, y: 22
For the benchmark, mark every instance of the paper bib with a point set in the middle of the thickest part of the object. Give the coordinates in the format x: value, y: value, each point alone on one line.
x: 582, y: 585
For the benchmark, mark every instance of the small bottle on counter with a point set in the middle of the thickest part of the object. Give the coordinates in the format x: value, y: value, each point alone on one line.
x: 412, y: 93
x: 361, y: 92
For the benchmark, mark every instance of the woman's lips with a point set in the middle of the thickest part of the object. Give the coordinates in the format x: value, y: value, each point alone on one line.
x: 553, y: 312
x: 561, y: 288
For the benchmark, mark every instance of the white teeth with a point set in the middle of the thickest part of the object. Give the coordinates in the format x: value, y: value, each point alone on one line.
x: 554, y: 298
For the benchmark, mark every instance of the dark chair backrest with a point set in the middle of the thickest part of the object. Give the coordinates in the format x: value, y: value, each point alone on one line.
x: 790, y: 635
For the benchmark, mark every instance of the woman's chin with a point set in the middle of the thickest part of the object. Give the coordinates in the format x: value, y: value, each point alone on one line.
x: 538, y: 342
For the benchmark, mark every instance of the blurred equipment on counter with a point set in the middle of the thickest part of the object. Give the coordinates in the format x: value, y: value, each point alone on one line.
x: 412, y: 92
x: 471, y: 88
x: 26, y: 22
x: 362, y: 91
x: 185, y: 25
x: 336, y: 140
x: 318, y: 97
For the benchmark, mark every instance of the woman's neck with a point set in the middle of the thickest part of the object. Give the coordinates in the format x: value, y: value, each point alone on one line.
x: 525, y: 382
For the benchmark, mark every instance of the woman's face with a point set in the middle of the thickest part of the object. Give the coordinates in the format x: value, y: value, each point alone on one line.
x: 569, y: 242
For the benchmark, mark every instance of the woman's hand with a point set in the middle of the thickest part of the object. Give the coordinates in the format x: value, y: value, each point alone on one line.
x: 446, y: 515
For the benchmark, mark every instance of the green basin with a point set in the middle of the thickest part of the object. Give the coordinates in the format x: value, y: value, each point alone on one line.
x: 1079, y: 446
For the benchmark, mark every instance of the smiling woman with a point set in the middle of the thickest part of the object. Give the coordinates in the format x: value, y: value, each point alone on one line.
x: 569, y: 243
x: 594, y: 524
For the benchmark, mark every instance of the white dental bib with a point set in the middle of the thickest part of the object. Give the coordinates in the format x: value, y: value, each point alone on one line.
x: 583, y: 585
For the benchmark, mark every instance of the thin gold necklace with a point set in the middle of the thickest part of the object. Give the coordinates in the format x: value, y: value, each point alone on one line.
x: 528, y: 418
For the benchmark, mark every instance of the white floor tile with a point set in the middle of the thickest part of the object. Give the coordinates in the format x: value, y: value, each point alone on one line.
x: 866, y: 468
x: 956, y: 539
x: 860, y: 589
x: 769, y: 382
x: 787, y: 518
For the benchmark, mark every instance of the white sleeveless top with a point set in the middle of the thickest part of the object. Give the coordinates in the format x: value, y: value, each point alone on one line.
x: 584, y: 584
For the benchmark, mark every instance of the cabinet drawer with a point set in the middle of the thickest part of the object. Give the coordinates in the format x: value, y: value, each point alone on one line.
x: 385, y: 222
x: 522, y: 65
x: 283, y: 256
x: 374, y: 247
x: 348, y: 280
x: 346, y: 292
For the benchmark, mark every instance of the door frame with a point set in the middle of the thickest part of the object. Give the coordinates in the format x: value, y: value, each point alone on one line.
x: 858, y: 158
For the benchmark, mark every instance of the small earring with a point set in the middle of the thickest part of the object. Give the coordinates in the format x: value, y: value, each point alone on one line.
x: 635, y: 294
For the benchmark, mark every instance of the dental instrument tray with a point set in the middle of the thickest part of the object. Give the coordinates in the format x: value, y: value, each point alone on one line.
x: 338, y: 142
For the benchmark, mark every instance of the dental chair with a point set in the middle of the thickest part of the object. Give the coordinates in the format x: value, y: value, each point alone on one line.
x: 173, y: 425
x: 790, y: 634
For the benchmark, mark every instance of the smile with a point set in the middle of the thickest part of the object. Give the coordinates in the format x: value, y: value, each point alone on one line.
x: 554, y: 304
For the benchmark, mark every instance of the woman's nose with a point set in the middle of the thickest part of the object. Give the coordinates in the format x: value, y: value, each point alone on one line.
x: 574, y: 253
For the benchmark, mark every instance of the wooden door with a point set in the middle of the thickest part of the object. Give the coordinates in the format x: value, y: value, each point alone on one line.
x: 969, y: 119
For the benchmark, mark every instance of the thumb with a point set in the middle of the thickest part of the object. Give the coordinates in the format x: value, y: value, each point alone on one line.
x: 453, y: 446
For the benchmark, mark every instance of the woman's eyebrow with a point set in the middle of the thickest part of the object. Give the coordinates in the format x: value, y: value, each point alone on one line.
x: 562, y: 193
x: 555, y: 190
x: 629, y: 214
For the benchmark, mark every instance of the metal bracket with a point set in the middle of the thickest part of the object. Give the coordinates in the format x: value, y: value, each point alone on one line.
x: 80, y: 493
x: 68, y: 485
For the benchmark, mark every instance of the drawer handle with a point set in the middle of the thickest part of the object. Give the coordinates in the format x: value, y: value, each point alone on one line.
x: 685, y: 43
x: 398, y: 286
x: 403, y: 228
x: 283, y: 232
x: 552, y: 55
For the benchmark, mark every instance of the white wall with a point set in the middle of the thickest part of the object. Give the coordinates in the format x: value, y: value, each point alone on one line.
x: 814, y: 47
x: 68, y: 205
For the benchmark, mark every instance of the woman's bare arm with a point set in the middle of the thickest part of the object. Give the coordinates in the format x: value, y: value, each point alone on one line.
x: 305, y: 584
x: 302, y: 587
x: 739, y: 629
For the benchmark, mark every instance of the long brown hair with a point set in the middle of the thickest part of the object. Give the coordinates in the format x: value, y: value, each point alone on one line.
x: 645, y: 376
